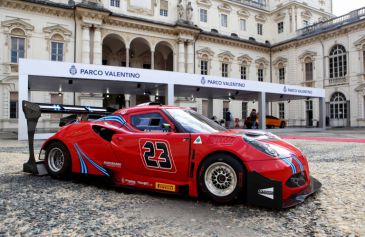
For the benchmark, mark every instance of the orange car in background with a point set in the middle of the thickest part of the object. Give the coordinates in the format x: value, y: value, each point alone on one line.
x: 271, y: 122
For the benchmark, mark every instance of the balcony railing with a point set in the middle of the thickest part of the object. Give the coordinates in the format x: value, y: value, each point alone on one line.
x: 333, y: 23
x: 336, y: 81
x: 253, y: 3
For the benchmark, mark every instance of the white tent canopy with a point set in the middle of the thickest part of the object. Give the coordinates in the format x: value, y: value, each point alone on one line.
x: 36, y: 75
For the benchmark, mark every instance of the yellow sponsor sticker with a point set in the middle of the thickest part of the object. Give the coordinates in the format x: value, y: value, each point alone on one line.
x: 165, y: 187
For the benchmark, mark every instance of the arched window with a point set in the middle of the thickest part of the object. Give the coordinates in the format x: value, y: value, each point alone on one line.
x: 338, y: 62
x: 260, y: 72
x: 338, y: 106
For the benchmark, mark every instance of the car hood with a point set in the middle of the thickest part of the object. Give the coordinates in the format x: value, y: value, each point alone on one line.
x: 267, y: 138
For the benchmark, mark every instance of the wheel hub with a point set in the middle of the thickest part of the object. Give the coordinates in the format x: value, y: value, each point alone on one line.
x: 220, y: 179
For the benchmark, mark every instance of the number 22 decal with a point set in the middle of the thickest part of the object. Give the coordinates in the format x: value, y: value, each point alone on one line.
x: 156, y: 155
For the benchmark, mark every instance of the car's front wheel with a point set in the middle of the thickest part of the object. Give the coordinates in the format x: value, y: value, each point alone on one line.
x: 221, y: 178
x: 58, y: 160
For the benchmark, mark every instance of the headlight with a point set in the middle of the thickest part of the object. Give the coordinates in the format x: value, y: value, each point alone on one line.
x: 265, y: 148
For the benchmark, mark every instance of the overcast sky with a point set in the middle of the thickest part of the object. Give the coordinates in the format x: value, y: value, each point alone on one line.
x: 341, y: 7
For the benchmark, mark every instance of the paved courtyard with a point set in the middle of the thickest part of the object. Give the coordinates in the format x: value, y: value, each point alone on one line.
x: 43, y: 206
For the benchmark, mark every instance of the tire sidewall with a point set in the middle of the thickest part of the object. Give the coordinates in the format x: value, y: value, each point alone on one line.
x: 66, y: 169
x: 236, y: 166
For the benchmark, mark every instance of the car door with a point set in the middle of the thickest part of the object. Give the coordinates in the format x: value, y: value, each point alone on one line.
x: 154, y: 151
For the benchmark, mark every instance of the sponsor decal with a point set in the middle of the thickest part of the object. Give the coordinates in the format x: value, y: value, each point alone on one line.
x: 285, y: 90
x: 267, y: 192
x: 144, y: 183
x: 128, y: 181
x: 73, y: 70
x: 165, y: 187
x: 198, y: 140
x: 113, y: 164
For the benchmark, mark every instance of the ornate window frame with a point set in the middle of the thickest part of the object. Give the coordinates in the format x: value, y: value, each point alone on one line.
x: 280, y: 63
x: 360, y: 46
x: 307, y: 57
x: 16, y: 28
x: 261, y: 63
x: 205, y: 54
x: 226, y: 57
x: 335, y: 56
x: 244, y: 61
x: 59, y: 34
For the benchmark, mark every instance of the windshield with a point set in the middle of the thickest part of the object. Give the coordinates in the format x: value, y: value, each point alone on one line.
x: 194, y: 122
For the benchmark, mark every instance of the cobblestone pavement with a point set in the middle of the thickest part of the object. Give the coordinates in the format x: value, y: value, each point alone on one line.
x: 42, y: 206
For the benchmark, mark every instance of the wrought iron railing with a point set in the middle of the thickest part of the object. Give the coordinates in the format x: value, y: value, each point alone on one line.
x: 351, y: 17
x: 254, y: 3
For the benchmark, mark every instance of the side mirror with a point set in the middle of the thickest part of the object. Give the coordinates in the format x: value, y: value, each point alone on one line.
x: 166, y: 127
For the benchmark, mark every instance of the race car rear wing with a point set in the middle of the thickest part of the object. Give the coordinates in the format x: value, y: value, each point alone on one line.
x: 33, y: 111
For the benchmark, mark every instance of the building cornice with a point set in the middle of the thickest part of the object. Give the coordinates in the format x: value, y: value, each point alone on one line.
x: 42, y: 7
x: 323, y: 35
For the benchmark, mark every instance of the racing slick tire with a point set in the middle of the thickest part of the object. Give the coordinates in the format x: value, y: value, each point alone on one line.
x: 220, y: 178
x: 58, y: 160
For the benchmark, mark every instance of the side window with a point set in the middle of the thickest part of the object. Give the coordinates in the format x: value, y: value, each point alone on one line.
x: 148, y: 122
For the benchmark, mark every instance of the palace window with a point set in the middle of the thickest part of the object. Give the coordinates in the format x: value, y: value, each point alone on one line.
x: 224, y: 69
x: 338, y: 62
x: 244, y: 110
x: 243, y: 72
x: 115, y: 3
x: 204, y: 67
x: 243, y: 25
x: 260, y: 74
x: 281, y: 111
x: 259, y: 28
x: 203, y: 15
x: 14, y: 105
x: 17, y: 48
x: 224, y: 20
x: 308, y: 69
x: 164, y: 6
x: 281, y: 74
x: 56, y: 51
x: 280, y: 27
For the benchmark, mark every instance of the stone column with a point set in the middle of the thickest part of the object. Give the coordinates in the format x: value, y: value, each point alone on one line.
x: 127, y: 99
x: 175, y: 65
x: 152, y: 59
x: 85, y: 44
x: 181, y: 55
x: 262, y: 112
x: 97, y: 57
x: 190, y: 57
x: 127, y: 57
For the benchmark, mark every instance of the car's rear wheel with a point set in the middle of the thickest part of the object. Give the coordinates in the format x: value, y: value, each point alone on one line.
x: 221, y: 178
x: 58, y: 160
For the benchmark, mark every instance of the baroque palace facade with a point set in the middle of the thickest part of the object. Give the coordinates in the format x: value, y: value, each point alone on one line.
x: 278, y: 41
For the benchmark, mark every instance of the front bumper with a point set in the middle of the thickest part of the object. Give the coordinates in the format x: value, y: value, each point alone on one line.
x: 264, y: 192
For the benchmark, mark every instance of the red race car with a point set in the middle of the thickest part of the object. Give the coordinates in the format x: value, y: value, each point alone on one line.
x: 174, y: 149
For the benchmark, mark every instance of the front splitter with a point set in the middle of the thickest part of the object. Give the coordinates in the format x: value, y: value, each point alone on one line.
x: 300, y: 197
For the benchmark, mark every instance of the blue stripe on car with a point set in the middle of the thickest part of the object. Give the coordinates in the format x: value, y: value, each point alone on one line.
x: 82, y: 162
x: 298, y: 161
x: 82, y: 155
x: 288, y: 161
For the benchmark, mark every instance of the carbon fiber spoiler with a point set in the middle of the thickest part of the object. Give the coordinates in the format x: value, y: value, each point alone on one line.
x: 33, y: 112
